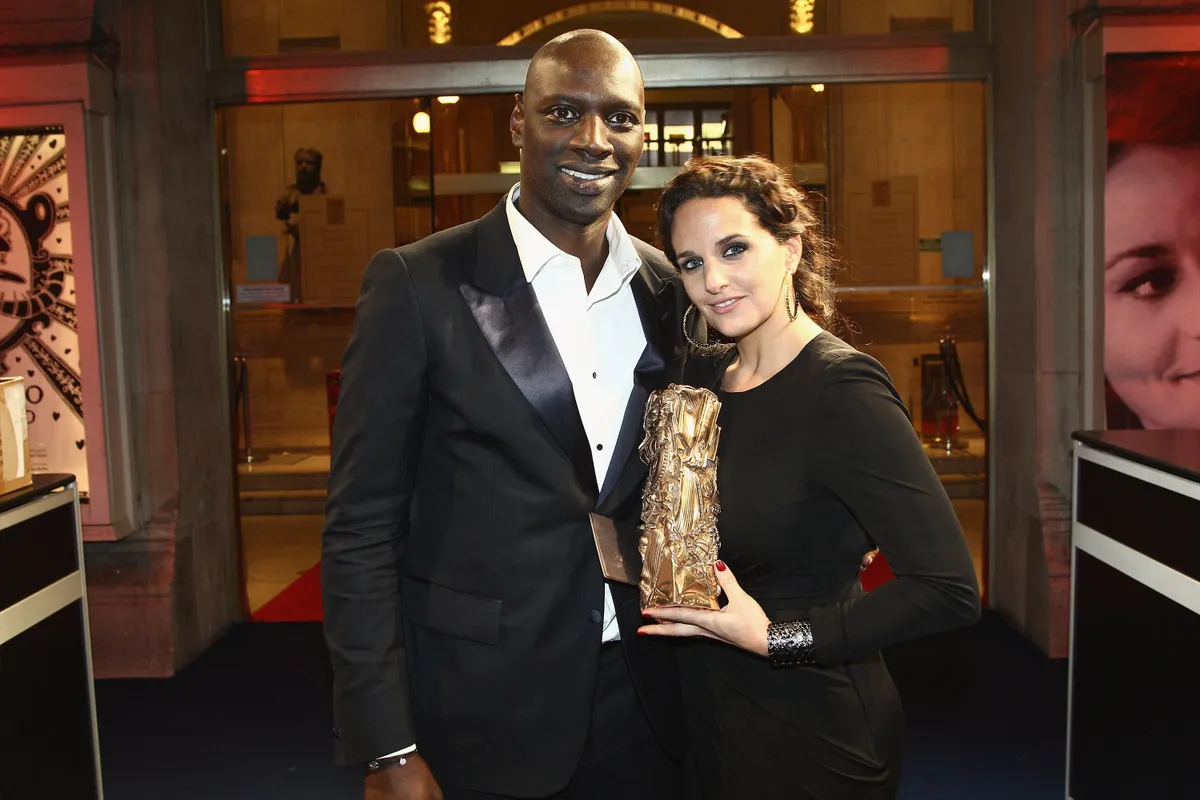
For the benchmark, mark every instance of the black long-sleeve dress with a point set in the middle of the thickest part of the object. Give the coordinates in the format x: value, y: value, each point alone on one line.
x: 818, y: 465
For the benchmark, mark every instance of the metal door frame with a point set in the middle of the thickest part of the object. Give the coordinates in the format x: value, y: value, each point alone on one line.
x: 666, y: 65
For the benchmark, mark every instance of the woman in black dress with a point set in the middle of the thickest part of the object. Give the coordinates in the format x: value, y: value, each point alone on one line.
x: 787, y: 695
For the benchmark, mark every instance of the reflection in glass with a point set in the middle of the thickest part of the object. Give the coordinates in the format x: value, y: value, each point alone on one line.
x: 475, y: 161
x: 678, y: 135
x: 310, y: 192
x: 650, y: 131
x: 716, y: 136
x: 895, y: 170
x: 674, y: 134
x: 902, y: 168
x: 904, y: 328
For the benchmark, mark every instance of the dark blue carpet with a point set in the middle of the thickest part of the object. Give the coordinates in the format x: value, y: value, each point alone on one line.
x: 251, y: 719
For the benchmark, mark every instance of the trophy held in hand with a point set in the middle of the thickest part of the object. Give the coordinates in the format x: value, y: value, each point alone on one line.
x: 679, y: 541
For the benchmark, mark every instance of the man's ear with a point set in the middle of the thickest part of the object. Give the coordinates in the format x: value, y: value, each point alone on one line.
x: 516, y: 122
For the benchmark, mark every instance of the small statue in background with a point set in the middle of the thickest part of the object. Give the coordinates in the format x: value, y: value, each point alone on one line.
x: 308, y: 181
x: 287, y: 209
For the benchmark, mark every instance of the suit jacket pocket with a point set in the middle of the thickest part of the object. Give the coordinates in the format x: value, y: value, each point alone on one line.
x: 464, y: 615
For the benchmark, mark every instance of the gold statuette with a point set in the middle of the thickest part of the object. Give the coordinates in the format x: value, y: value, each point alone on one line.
x: 679, y: 539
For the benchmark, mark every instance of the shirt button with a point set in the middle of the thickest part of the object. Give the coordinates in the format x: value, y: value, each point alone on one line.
x: 599, y: 447
x: 593, y: 374
x: 595, y: 616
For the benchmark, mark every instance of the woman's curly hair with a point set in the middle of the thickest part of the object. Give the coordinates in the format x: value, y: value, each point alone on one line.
x: 780, y: 208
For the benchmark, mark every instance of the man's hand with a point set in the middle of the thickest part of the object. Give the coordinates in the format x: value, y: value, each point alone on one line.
x: 413, y: 781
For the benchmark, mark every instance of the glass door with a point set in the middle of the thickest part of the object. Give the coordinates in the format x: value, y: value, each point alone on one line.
x: 901, y: 170
x: 311, y: 190
x: 897, y: 171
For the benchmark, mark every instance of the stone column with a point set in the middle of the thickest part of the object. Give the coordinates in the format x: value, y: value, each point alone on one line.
x: 163, y: 594
x: 1037, y: 277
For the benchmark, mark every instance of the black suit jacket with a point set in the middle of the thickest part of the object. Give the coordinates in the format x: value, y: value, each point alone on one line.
x: 463, y: 595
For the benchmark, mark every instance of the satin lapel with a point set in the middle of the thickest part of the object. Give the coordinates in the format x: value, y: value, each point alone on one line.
x: 506, y: 309
x: 654, y: 299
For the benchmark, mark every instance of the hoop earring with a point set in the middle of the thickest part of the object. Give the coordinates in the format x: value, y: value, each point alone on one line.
x: 702, y: 349
x: 791, y: 303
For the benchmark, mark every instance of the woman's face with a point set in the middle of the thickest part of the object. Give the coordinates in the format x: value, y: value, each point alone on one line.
x: 732, y: 268
x: 1152, y: 284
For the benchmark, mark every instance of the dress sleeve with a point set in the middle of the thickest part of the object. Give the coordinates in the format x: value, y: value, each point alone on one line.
x: 868, y: 455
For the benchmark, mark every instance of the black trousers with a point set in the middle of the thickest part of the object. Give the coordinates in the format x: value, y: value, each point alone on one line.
x: 621, y: 757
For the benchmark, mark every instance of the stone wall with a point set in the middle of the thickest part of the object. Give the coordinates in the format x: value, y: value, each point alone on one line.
x: 163, y: 594
x: 1038, y: 149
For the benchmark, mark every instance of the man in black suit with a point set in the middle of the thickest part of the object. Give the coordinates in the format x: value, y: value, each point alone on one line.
x: 492, y: 397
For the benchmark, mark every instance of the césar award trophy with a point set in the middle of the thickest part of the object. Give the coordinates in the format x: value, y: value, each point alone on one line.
x: 679, y: 540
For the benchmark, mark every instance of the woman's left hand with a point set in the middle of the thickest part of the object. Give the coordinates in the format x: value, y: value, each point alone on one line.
x: 741, y: 623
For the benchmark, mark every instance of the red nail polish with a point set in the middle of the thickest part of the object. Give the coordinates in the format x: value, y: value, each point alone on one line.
x: 641, y: 632
x: 720, y: 566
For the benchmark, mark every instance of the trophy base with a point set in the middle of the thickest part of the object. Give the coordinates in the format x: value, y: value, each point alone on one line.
x: 693, y: 601
x: 666, y: 583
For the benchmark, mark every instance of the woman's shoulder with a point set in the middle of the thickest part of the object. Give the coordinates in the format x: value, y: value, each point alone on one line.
x: 824, y: 360
x: 845, y: 378
x: 833, y: 357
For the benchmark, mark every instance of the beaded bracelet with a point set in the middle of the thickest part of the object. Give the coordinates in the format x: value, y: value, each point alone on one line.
x: 790, y: 643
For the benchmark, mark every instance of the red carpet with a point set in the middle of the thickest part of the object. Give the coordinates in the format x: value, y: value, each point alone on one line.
x: 299, y: 602
x: 878, y: 573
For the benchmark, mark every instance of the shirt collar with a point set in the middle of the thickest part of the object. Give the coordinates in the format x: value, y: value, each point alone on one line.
x: 536, y: 251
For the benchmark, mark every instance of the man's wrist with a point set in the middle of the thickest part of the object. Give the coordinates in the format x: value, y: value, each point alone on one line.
x: 412, y: 748
x: 393, y: 760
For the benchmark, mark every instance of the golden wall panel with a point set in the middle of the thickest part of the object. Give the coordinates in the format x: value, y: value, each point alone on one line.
x: 931, y: 131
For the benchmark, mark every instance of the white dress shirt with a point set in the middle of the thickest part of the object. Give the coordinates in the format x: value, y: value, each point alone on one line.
x: 598, y: 334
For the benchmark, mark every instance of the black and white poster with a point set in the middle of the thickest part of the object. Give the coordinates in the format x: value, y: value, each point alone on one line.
x: 39, y: 331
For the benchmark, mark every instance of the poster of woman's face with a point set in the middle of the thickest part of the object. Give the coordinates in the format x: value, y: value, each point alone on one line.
x: 1152, y: 242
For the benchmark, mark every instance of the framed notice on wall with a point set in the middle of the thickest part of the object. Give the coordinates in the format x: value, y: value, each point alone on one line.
x: 335, y: 246
x: 879, y: 241
x: 39, y: 324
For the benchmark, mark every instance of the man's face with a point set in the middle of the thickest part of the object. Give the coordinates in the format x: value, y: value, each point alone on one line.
x: 308, y: 171
x: 579, y: 128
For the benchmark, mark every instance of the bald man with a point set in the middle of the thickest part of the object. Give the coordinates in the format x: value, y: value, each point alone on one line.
x: 491, y: 399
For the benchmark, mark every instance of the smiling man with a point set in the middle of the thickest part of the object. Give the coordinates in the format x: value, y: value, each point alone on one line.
x: 491, y: 399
